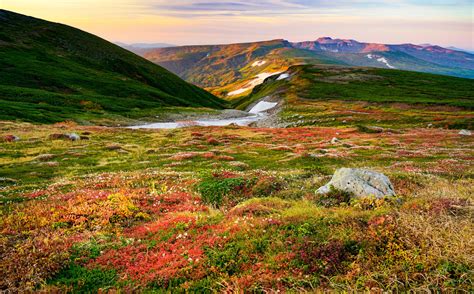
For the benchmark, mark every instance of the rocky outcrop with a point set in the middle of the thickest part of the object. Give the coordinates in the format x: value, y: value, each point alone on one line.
x: 359, y: 183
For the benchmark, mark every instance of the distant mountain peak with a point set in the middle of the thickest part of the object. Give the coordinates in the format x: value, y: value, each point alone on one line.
x: 324, y: 39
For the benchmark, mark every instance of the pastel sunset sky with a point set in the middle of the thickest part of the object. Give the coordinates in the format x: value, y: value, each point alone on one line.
x: 180, y: 22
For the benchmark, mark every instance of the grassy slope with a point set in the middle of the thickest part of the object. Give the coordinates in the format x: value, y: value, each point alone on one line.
x: 52, y: 72
x: 401, y: 61
x: 323, y: 83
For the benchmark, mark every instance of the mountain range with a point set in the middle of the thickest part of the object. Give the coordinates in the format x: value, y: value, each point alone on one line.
x: 52, y: 72
x: 218, y: 67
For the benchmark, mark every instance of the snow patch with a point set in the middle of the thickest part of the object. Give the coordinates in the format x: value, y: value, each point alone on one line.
x: 385, y: 61
x: 380, y: 59
x: 257, y: 80
x: 238, y: 92
x: 283, y: 76
x: 255, y: 114
x: 259, y: 63
x: 262, y: 106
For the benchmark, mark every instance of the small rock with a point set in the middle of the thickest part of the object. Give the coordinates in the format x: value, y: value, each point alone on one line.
x: 10, y: 138
x: 238, y: 164
x: 465, y: 133
x: 45, y: 157
x: 50, y: 163
x: 360, y: 183
x: 375, y: 129
x: 113, y: 147
x: 430, y: 125
x: 74, y: 137
x: 7, y: 180
x: 335, y: 140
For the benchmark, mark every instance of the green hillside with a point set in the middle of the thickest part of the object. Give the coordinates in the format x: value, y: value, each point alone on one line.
x: 326, y: 82
x: 52, y: 72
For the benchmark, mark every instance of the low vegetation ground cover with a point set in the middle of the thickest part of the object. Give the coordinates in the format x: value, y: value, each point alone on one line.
x: 234, y: 209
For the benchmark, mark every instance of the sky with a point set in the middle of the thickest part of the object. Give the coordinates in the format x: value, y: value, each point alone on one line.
x: 192, y: 22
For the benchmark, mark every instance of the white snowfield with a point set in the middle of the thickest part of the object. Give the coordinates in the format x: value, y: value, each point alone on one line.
x: 257, y: 80
x: 238, y: 92
x: 259, y: 63
x: 381, y: 59
x: 256, y: 114
x: 262, y: 106
x: 283, y: 76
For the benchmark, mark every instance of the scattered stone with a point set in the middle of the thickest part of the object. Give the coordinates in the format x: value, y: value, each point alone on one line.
x: 465, y: 133
x: 10, y: 138
x: 239, y: 165
x: 7, y: 180
x: 45, y: 157
x: 74, y: 137
x: 113, y: 147
x: 430, y: 125
x: 375, y: 129
x: 50, y: 163
x: 370, y: 129
x: 360, y: 183
x: 335, y: 140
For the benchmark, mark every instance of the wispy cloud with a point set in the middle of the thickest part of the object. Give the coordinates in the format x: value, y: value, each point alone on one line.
x: 445, y: 22
x: 290, y: 7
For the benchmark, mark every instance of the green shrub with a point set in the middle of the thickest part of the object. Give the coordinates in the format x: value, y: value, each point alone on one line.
x: 221, y: 188
x: 84, y: 280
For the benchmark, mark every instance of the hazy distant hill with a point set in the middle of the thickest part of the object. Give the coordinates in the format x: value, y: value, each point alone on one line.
x: 141, y: 48
x: 52, y: 72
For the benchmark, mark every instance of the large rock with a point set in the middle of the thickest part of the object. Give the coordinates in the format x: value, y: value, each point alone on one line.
x: 360, y: 183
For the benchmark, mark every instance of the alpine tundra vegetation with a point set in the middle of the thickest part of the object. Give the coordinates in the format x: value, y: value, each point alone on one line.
x: 118, y: 176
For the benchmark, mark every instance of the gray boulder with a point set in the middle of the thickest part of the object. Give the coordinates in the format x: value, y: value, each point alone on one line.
x: 360, y: 183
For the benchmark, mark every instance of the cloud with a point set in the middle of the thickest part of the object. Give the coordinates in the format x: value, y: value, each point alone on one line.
x: 196, y: 8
